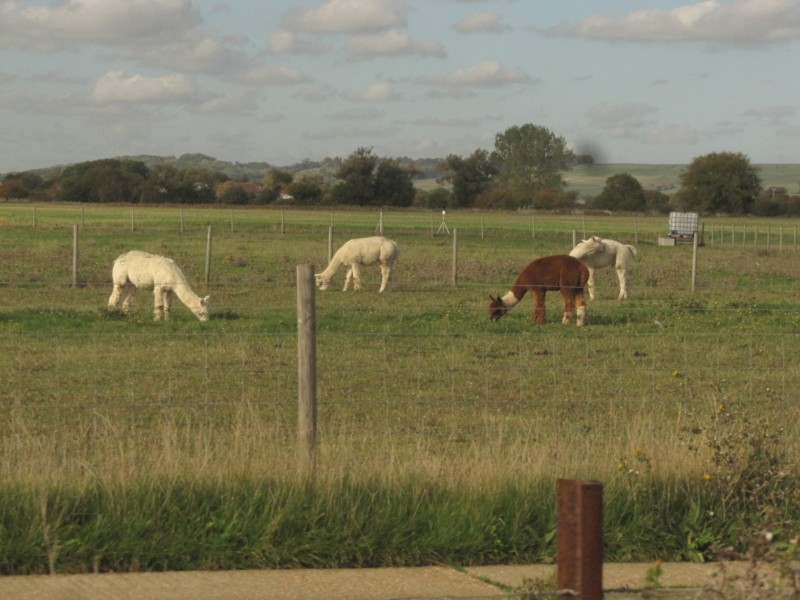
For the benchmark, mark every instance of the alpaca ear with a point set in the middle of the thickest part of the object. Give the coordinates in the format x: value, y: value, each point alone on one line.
x: 597, y: 238
x: 205, y: 300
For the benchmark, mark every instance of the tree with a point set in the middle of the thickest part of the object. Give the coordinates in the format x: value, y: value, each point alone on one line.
x: 107, y: 180
x: 393, y: 185
x: 621, y: 192
x: 529, y: 158
x: 366, y: 180
x: 720, y: 182
x: 305, y: 191
x: 470, y: 177
x: 355, y: 176
x: 232, y: 192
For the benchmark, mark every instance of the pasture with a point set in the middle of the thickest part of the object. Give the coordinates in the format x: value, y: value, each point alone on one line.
x: 421, y: 398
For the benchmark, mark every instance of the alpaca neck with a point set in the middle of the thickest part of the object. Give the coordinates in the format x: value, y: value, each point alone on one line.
x: 186, y: 295
x: 332, y: 267
x: 511, y: 299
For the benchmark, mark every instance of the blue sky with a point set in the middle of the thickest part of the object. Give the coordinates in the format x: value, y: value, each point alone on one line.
x: 649, y: 81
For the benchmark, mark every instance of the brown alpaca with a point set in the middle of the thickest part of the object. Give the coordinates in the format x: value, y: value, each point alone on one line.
x: 549, y: 273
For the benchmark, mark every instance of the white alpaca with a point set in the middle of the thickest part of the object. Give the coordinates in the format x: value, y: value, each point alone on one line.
x: 357, y: 253
x: 136, y: 269
x: 597, y: 253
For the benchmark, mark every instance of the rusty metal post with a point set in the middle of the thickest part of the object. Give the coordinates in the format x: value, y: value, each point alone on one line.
x: 580, y: 538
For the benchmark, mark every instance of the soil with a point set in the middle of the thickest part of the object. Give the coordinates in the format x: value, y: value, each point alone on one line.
x: 350, y: 584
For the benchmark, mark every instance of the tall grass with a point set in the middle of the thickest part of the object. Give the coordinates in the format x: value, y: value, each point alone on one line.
x: 129, y: 444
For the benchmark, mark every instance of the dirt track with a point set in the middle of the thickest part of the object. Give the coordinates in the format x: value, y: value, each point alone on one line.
x: 337, y: 584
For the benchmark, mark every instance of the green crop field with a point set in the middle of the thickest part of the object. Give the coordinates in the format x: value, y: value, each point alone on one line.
x: 589, y: 180
x: 131, y: 444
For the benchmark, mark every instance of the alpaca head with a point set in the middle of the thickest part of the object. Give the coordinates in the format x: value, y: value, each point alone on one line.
x: 322, y: 283
x: 203, y: 308
x: 593, y: 245
x: 496, y: 308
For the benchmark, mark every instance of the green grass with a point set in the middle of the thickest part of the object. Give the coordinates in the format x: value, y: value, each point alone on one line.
x: 129, y: 444
x: 589, y: 180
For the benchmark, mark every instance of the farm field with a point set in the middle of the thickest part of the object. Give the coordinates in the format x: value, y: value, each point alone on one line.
x: 589, y: 180
x: 131, y: 444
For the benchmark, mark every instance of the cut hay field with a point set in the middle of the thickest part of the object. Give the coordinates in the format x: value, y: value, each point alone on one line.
x: 436, y: 427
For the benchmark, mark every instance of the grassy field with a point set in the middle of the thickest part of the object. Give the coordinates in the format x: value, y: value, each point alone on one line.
x: 589, y: 180
x: 129, y: 444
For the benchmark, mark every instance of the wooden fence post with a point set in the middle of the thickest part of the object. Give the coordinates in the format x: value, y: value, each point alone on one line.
x: 330, y: 244
x: 74, y: 256
x: 306, y: 371
x: 694, y: 260
x: 580, y: 539
x: 208, y: 256
x: 454, y: 275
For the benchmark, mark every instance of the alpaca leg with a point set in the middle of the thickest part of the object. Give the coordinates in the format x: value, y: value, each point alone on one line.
x: 167, y: 295
x: 348, y: 278
x: 127, y: 297
x: 580, y: 303
x: 539, y: 311
x: 158, y: 304
x: 568, y: 295
x: 386, y: 273
x: 116, y: 296
x: 623, y: 282
x: 356, y: 268
x: 590, y: 283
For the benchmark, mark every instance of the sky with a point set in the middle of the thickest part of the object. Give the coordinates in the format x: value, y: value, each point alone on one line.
x: 280, y: 81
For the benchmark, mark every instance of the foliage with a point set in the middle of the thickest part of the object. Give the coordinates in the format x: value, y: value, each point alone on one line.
x: 232, y: 192
x: 720, y: 182
x: 622, y: 192
x: 469, y: 177
x: 529, y: 158
x: 355, y: 174
x: 20, y: 185
x: 393, y: 184
x: 437, y: 198
x: 366, y: 180
x: 104, y: 181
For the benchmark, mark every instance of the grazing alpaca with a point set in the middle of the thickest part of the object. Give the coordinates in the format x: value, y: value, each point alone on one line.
x: 597, y: 253
x: 357, y: 253
x: 137, y: 269
x: 559, y: 272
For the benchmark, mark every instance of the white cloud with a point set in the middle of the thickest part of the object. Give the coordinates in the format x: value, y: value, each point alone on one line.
x: 267, y: 75
x: 740, y: 22
x: 75, y: 23
x: 481, y: 21
x: 377, y: 92
x: 229, y: 103
x: 286, y: 42
x: 389, y: 43
x: 114, y: 87
x: 346, y: 16
x: 484, y: 73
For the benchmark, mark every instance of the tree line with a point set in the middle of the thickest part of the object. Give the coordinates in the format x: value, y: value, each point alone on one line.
x: 524, y: 170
